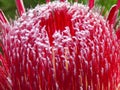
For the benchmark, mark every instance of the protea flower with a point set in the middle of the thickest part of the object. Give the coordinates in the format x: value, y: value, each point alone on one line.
x: 60, y: 46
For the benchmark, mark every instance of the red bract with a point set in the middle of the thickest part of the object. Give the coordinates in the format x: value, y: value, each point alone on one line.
x: 59, y: 46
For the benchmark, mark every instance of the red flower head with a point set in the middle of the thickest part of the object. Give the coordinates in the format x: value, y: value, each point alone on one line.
x: 60, y: 46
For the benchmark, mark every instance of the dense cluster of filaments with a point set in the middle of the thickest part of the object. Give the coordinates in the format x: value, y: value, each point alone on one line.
x: 59, y: 46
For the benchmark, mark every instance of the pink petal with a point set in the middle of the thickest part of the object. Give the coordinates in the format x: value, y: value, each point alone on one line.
x: 20, y: 6
x: 113, y: 15
x: 2, y: 17
x: 118, y: 4
x: 91, y: 3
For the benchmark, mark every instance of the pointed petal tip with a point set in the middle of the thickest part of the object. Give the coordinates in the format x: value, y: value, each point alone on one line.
x: 20, y: 6
x: 112, y: 15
